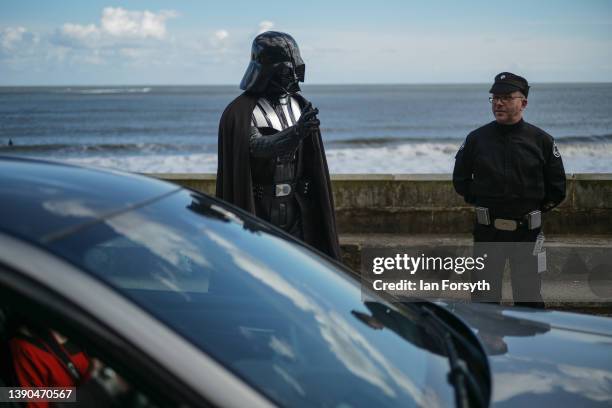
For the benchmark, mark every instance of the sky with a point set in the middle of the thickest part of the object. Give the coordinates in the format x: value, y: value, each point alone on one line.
x: 76, y: 42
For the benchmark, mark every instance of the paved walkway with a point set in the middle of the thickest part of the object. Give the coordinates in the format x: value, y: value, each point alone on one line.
x: 578, y: 277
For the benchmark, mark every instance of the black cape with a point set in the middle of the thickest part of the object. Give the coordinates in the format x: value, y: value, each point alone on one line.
x: 234, y: 182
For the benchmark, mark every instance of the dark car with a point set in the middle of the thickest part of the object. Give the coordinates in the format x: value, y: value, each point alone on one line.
x: 188, y: 301
x: 543, y: 358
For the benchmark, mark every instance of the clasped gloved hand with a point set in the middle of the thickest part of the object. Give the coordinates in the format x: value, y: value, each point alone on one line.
x: 287, y: 140
x: 308, y: 121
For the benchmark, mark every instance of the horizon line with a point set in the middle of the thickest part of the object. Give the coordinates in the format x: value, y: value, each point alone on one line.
x: 312, y: 84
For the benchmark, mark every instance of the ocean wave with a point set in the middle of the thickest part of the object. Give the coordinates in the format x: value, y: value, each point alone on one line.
x: 102, y: 91
x: 406, y: 158
x: 395, y: 140
x: 387, y: 140
x: 431, y: 157
x: 89, y: 149
x: 606, y: 138
x: 208, y: 144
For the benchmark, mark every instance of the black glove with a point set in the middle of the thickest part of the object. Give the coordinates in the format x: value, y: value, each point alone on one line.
x: 308, y: 121
x: 286, y: 141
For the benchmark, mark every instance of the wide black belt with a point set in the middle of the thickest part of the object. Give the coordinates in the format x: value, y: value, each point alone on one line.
x: 531, y: 220
x: 281, y: 189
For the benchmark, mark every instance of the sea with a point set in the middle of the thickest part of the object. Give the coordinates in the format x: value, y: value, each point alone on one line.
x: 365, y: 128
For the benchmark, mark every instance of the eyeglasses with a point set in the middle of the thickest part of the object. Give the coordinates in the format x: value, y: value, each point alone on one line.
x: 504, y: 98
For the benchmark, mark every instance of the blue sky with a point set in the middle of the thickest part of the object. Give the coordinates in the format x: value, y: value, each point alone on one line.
x: 197, y: 42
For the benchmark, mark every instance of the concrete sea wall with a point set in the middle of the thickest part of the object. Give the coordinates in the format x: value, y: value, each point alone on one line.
x: 428, y: 204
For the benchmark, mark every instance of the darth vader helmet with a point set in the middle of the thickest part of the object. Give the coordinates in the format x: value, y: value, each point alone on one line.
x: 276, y: 65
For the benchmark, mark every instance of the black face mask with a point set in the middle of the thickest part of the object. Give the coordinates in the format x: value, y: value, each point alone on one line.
x: 285, y: 80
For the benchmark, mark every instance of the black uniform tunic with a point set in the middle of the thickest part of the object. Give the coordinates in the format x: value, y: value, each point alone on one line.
x: 511, y: 169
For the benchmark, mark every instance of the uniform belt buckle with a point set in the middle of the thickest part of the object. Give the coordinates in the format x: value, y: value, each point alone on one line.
x: 505, y: 225
x: 534, y: 219
x: 283, y: 190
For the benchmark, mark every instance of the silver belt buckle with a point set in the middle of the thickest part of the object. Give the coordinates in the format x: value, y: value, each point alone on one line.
x: 482, y: 216
x: 534, y: 219
x: 283, y: 190
x: 505, y: 225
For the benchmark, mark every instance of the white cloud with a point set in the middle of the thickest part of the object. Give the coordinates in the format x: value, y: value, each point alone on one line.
x: 219, y: 39
x: 80, y: 32
x: 265, y: 25
x: 120, y: 33
x: 221, y: 35
x: 135, y: 24
x: 10, y: 36
x: 19, y: 49
x: 116, y: 24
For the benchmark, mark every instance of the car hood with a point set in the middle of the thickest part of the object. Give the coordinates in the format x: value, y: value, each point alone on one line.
x: 543, y: 358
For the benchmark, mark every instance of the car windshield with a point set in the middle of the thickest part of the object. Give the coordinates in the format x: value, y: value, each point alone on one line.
x: 286, y: 320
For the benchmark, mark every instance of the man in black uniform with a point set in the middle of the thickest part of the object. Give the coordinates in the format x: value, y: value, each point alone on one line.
x: 271, y: 157
x: 511, y: 171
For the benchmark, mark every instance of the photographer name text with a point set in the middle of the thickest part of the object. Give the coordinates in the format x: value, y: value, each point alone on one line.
x: 423, y: 285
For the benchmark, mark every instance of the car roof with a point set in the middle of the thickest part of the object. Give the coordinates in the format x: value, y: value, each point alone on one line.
x: 39, y: 199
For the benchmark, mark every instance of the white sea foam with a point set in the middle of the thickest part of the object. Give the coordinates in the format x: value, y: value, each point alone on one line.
x: 406, y: 158
x: 101, y: 91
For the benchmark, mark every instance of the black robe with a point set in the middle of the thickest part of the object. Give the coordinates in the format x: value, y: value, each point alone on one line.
x: 234, y: 182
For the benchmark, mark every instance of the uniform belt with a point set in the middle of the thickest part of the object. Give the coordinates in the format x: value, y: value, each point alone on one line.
x: 281, y: 189
x: 531, y: 220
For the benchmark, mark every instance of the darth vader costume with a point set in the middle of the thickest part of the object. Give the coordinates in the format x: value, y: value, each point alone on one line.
x: 271, y: 160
